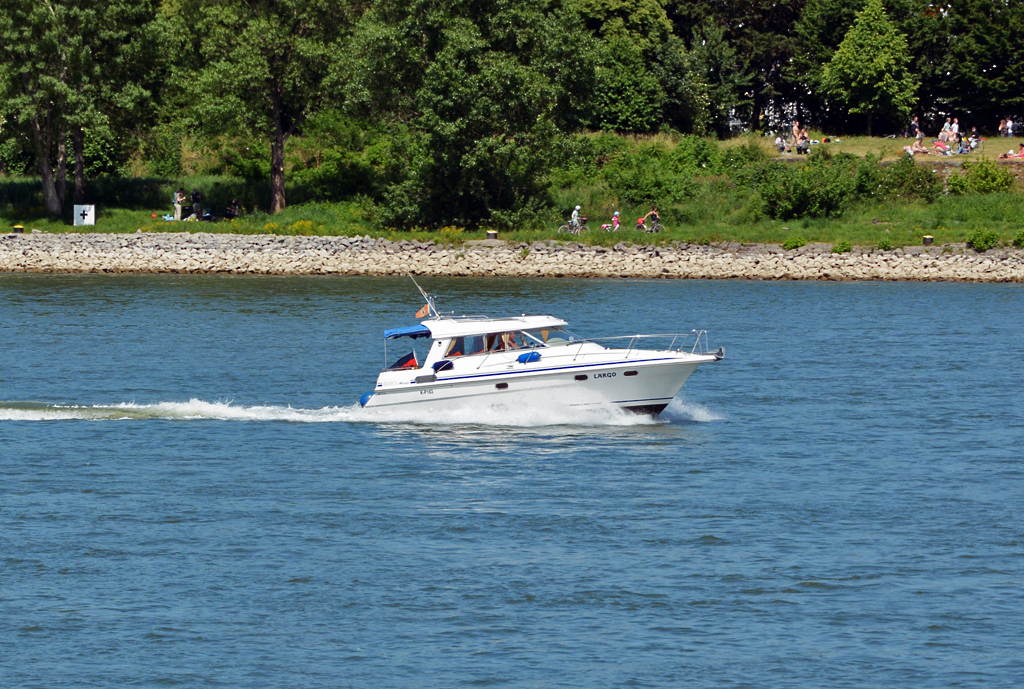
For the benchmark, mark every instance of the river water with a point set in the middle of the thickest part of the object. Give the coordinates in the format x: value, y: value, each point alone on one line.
x: 190, y: 495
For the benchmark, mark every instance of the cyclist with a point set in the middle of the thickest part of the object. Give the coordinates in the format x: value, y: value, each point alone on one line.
x: 615, y: 221
x: 574, y: 219
x: 653, y: 215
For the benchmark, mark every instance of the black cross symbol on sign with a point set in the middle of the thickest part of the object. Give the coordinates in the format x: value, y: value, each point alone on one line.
x: 84, y: 214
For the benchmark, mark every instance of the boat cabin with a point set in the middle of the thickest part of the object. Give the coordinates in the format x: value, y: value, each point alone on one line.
x: 435, y: 345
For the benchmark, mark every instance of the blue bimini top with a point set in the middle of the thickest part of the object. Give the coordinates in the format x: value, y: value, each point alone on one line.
x: 412, y: 331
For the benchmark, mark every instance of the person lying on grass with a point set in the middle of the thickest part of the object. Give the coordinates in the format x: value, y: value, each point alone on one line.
x: 1019, y: 155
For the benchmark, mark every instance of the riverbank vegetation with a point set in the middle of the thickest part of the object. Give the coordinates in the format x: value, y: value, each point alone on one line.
x: 388, y: 116
x: 706, y: 191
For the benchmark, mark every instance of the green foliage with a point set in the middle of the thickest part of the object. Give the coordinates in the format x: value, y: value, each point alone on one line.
x: 262, y: 69
x: 745, y: 160
x: 162, y: 151
x: 983, y: 240
x: 843, y: 246
x: 69, y: 66
x: 15, y: 154
x: 885, y: 244
x: 646, y: 176
x: 1018, y: 239
x: 497, y: 82
x: 626, y: 96
x: 902, y: 179
x: 982, y: 63
x: 982, y: 177
x: 717, y: 79
x: 820, y: 188
x: 869, y: 72
x: 793, y: 242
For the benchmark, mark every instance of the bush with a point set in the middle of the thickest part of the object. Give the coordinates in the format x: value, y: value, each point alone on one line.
x: 842, y: 247
x: 957, y: 184
x: 1018, y: 239
x: 982, y: 177
x: 696, y: 155
x: 647, y: 176
x: 794, y: 242
x: 905, y: 179
x: 820, y: 188
x: 885, y: 244
x: 162, y: 151
x: 982, y: 240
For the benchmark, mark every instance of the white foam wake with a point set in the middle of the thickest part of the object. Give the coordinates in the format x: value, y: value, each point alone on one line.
x: 479, y: 414
x: 682, y: 410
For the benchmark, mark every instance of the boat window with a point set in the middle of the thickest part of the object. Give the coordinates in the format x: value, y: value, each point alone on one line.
x: 505, y: 342
x: 550, y: 337
x: 464, y: 346
x: 408, y: 361
x: 414, y: 353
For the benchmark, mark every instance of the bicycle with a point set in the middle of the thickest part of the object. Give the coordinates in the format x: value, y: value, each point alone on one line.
x: 577, y: 228
x: 654, y: 227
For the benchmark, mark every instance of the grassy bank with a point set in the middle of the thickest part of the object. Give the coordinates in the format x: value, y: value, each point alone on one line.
x: 949, y: 219
x: 706, y: 191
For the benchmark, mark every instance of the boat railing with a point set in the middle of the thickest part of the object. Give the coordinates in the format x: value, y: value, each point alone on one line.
x: 694, y: 342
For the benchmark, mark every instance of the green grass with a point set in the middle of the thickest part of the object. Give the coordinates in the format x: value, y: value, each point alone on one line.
x: 719, y: 213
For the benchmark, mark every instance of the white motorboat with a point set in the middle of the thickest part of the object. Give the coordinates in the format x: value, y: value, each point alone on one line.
x: 480, y: 360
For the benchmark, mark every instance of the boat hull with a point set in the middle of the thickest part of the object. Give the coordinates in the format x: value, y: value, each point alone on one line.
x: 635, y: 386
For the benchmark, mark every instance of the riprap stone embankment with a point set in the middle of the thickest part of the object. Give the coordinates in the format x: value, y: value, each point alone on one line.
x: 277, y: 255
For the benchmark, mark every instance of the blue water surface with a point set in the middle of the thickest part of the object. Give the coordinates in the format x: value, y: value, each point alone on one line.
x: 189, y: 495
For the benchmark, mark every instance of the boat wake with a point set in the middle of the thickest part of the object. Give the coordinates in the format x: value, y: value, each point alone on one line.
x: 490, y: 415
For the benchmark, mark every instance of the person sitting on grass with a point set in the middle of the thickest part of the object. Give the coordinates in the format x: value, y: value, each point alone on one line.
x: 233, y: 210
x: 916, y: 148
x: 803, y: 142
x: 944, y: 134
x: 974, y: 139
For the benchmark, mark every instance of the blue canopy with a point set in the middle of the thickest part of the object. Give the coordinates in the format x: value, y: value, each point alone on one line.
x: 412, y: 331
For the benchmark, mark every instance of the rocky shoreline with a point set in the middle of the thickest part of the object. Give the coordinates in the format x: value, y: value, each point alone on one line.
x: 278, y: 255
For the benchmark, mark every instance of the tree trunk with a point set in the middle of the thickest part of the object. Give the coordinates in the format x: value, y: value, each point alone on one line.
x: 42, y: 139
x: 277, y: 201
x: 78, y: 145
x: 869, y: 123
x: 61, y: 176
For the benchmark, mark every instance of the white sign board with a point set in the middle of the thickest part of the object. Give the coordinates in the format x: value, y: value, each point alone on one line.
x: 85, y: 215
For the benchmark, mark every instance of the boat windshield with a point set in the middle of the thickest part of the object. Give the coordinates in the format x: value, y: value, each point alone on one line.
x: 550, y: 337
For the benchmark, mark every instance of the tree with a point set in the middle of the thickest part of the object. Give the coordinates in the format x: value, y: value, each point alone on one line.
x: 761, y: 34
x: 986, y: 59
x: 485, y: 88
x: 715, y: 65
x: 627, y: 97
x: 260, y: 68
x: 42, y: 59
x: 68, y: 66
x: 869, y: 70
